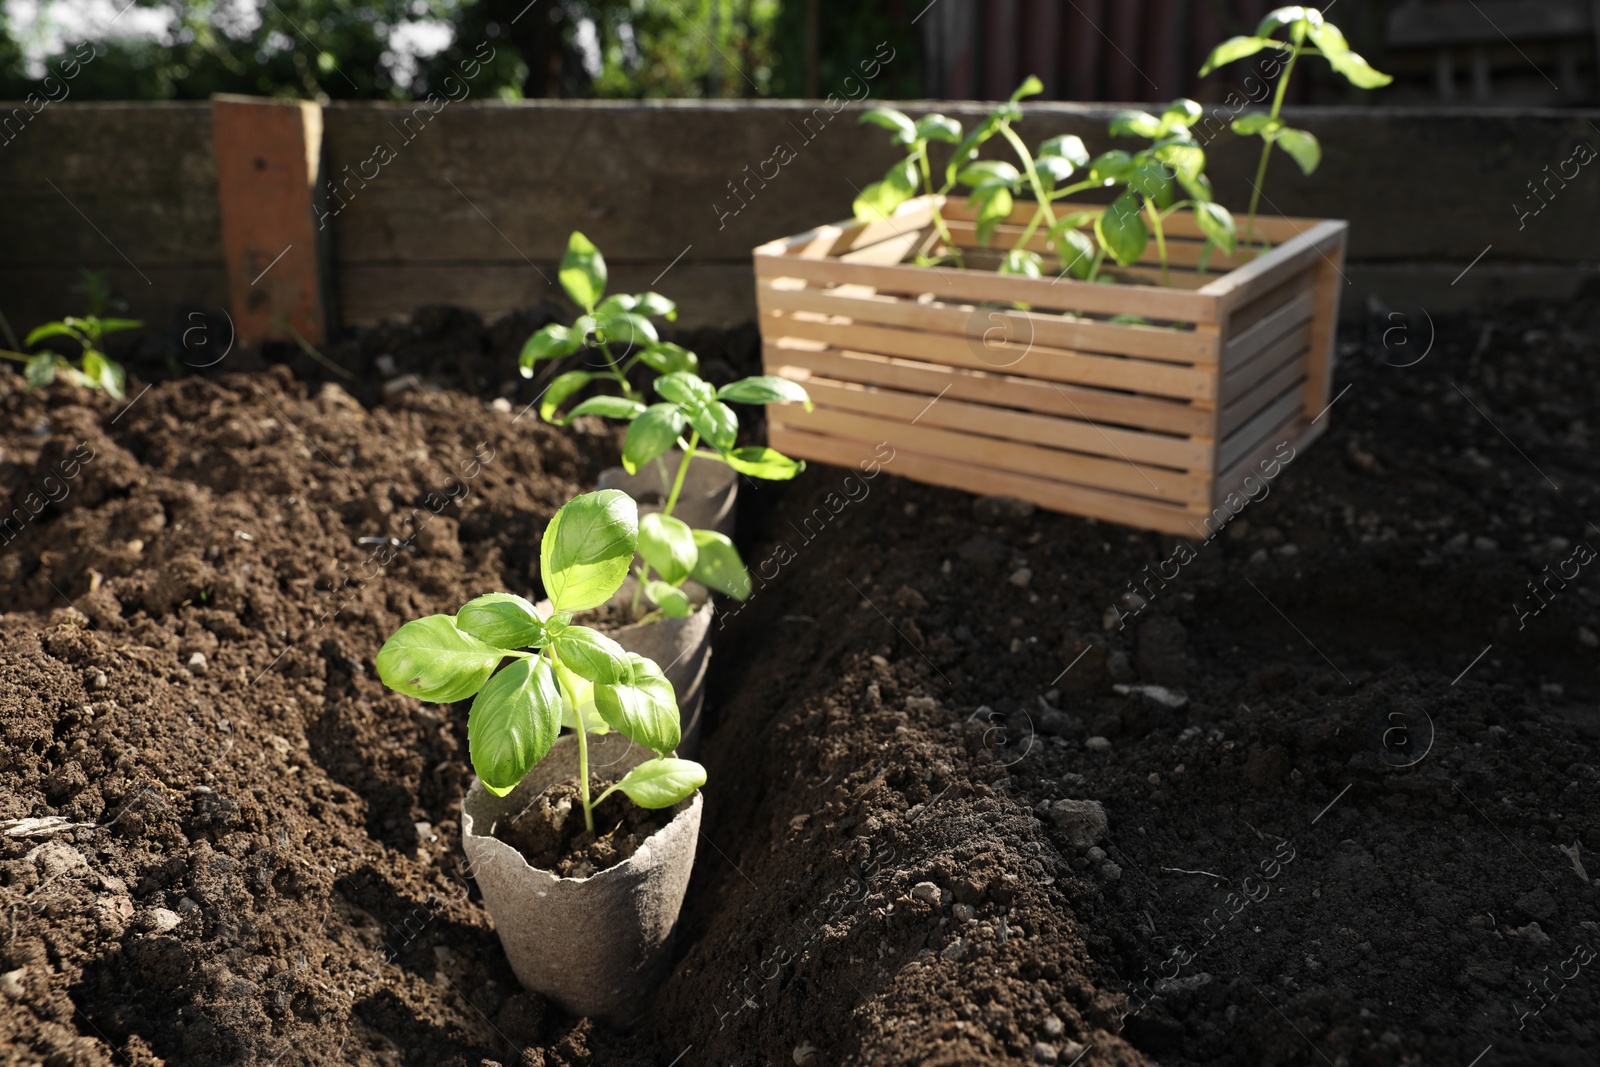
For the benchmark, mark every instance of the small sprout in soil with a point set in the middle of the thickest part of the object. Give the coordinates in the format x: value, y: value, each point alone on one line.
x: 1308, y: 34
x: 559, y: 674
x: 93, y: 368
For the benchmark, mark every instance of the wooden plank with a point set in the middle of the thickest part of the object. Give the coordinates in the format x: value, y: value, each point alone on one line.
x: 1245, y: 316
x: 837, y: 239
x: 1022, y: 360
x: 1242, y: 440
x: 1056, y: 331
x: 1302, y: 251
x: 1294, y: 431
x: 954, y: 474
x: 1247, y: 345
x: 1241, y: 379
x: 1053, y: 398
x: 268, y: 159
x: 1154, y: 482
x: 984, y: 420
x: 1330, y: 282
x: 890, y: 250
x: 947, y: 283
x: 1285, y: 376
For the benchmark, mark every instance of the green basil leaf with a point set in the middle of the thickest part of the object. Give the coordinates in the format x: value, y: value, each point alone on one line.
x: 673, y: 602
x: 1216, y: 223
x: 1186, y: 160
x: 1180, y: 114
x: 758, y: 461
x: 661, y: 783
x: 615, y: 304
x: 938, y: 127
x: 1068, y: 146
x: 1356, y: 70
x: 697, y: 400
x: 1287, y: 16
x: 503, y: 620
x: 559, y: 390
x: 1111, y: 168
x: 431, y: 659
x: 549, y: 342
x: 668, y: 358
x: 607, y: 407
x: 592, y: 655
x: 1260, y: 122
x: 51, y: 329
x: 667, y: 544
x: 1135, y: 124
x: 1302, y: 146
x: 1236, y: 48
x: 586, y: 549
x: 881, y: 198
x: 1075, y: 250
x: 513, y: 723
x: 895, y: 121
x: 1021, y: 262
x: 994, y: 207
x: 1121, y: 229
x: 583, y: 272
x: 718, y: 566
x: 646, y: 711
x: 765, y: 389
x: 656, y: 306
x: 985, y: 171
x: 626, y: 329
x: 40, y: 370
x: 1053, y: 170
x: 1153, y: 181
x: 1031, y: 86
x: 651, y: 434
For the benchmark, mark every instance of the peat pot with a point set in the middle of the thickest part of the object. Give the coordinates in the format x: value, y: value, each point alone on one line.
x: 706, y: 502
x: 1154, y: 405
x: 596, y: 945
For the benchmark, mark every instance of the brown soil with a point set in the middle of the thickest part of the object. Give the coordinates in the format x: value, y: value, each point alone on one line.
x: 551, y: 835
x: 1380, y: 730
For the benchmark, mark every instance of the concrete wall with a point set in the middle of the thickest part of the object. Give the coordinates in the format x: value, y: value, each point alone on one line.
x: 472, y: 205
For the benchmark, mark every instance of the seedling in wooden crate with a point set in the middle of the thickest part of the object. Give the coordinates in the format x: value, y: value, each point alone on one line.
x: 559, y: 673
x: 1304, y: 24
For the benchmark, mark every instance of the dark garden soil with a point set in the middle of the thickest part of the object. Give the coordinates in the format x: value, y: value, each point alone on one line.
x: 1356, y: 824
x: 550, y: 833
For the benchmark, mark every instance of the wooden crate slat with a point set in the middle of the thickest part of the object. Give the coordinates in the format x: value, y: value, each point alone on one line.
x: 1027, y: 361
x: 1109, y: 507
x: 931, y: 379
x: 1295, y: 431
x: 1149, y: 481
x: 1320, y: 242
x: 1148, y: 342
x: 1286, y: 376
x: 986, y: 421
x: 1245, y: 346
x: 1242, y: 379
x: 892, y: 249
x: 839, y: 238
x: 1246, y: 437
x: 946, y: 283
x: 1247, y: 315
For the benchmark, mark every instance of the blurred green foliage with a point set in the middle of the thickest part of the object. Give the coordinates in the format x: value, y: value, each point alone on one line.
x: 369, y: 49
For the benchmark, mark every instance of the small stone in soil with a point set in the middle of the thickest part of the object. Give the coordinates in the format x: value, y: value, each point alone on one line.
x: 1084, y: 821
x: 1098, y: 744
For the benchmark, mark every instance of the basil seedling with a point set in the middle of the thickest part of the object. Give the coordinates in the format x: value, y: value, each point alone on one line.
x: 1304, y: 24
x: 558, y: 673
x: 608, y: 324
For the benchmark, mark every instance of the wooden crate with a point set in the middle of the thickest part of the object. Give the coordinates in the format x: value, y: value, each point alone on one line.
x: 1150, y: 424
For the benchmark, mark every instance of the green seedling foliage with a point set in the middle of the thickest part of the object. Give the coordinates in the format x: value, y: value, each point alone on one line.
x: 1305, y: 33
x: 554, y: 672
x: 91, y: 367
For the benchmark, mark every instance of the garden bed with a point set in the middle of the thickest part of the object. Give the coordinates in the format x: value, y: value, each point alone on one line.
x: 269, y: 870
